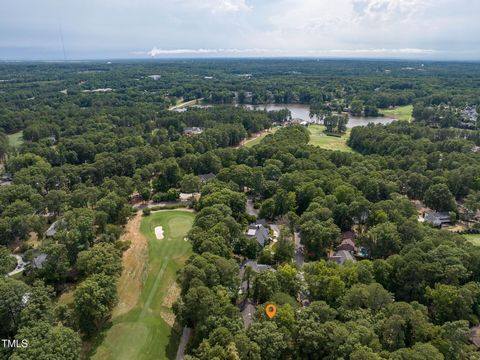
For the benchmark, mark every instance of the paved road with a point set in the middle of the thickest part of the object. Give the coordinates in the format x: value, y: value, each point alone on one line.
x: 20, y: 266
x: 187, y: 332
x: 299, y: 252
x: 144, y: 205
x: 247, y: 313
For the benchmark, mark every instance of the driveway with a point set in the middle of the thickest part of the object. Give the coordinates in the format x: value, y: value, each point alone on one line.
x: 187, y: 332
x: 299, y: 250
x: 20, y: 266
x: 250, y: 209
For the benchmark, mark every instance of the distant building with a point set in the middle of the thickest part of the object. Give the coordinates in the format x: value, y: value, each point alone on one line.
x: 204, y: 178
x: 259, y: 231
x: 475, y: 336
x: 341, y: 257
x: 6, y: 179
x: 189, y: 131
x: 437, y: 219
x: 155, y: 77
x: 470, y: 114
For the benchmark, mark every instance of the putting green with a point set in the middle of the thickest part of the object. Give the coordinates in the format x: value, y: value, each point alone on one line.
x: 147, y: 332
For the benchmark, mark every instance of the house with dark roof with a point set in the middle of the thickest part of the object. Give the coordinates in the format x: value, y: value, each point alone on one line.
x: 437, y: 219
x: 204, y: 178
x: 347, y: 245
x: 341, y: 257
x: 260, y: 232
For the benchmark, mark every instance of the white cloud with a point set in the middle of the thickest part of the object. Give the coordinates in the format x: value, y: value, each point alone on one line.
x: 389, y: 10
x: 158, y: 52
x: 221, y: 6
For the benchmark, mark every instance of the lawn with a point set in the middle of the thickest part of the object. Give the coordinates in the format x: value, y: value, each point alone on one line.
x: 399, y: 113
x: 257, y: 139
x: 320, y: 139
x: 147, y: 331
x: 473, y: 238
x: 16, y: 139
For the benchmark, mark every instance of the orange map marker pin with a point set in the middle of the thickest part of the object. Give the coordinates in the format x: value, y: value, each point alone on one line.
x: 271, y: 310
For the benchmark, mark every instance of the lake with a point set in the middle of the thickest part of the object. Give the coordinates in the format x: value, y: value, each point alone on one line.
x: 301, y: 111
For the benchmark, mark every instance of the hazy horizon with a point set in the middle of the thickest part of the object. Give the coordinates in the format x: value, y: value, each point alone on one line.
x: 441, y: 30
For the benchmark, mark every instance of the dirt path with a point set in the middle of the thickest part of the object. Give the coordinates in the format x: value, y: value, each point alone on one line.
x: 134, y: 262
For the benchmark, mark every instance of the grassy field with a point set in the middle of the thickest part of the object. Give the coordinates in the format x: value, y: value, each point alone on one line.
x: 16, y: 139
x: 473, y: 238
x: 318, y: 138
x: 147, y: 331
x: 256, y: 140
x: 399, y: 113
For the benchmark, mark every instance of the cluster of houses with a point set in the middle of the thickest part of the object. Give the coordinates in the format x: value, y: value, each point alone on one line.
x: 469, y: 116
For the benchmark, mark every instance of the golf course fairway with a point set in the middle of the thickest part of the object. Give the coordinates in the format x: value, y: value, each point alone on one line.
x: 147, y: 331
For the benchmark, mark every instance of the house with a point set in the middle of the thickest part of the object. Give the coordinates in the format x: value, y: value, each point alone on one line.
x: 189, y: 131
x: 6, y: 179
x: 52, y: 230
x: 475, y: 336
x: 39, y: 260
x: 341, y: 257
x: 204, y: 178
x: 437, y: 219
x: 257, y: 268
x: 259, y: 231
x: 347, y: 245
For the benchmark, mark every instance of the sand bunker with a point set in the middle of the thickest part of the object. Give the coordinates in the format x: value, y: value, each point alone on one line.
x: 159, y: 232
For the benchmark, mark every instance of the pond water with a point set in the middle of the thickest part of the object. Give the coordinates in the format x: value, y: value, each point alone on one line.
x: 300, y: 111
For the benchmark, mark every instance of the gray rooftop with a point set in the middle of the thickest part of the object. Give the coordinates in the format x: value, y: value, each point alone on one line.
x: 260, y: 232
x: 437, y: 218
x: 341, y: 257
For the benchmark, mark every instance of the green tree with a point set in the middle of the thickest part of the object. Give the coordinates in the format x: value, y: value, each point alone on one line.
x: 265, y: 284
x: 383, y: 240
x: 102, y: 258
x: 7, y: 261
x: 48, y: 342
x: 285, y: 247
x: 94, y: 300
x: 438, y: 197
x: 270, y: 340
x: 12, y: 302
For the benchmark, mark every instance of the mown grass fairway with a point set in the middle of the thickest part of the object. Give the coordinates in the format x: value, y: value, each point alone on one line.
x: 320, y: 139
x: 147, y: 332
x: 257, y: 139
x: 15, y: 140
x: 399, y: 113
x: 473, y: 238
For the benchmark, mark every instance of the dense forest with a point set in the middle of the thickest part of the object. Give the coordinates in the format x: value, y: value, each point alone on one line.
x: 97, y: 136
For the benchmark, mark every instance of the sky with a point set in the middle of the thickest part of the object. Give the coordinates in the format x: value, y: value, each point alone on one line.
x: 128, y: 29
